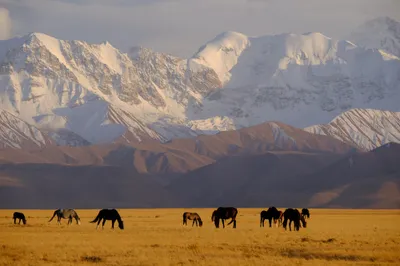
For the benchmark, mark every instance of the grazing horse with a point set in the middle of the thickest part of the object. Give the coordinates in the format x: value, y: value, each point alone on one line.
x: 66, y: 214
x: 305, y: 213
x: 293, y: 215
x: 271, y: 213
x: 109, y: 214
x: 224, y: 213
x: 192, y: 216
x: 20, y: 216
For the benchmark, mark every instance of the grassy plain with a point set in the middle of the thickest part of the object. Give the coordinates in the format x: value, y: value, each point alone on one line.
x: 157, y: 237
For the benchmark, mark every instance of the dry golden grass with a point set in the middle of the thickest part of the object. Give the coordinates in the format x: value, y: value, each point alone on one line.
x: 157, y: 237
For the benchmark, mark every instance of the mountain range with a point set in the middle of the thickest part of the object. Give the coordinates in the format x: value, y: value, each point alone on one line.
x: 289, y: 106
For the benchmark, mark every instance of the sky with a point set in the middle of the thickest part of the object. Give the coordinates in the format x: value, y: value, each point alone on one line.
x: 181, y: 27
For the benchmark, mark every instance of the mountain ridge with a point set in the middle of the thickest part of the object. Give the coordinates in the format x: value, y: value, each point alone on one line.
x: 103, y: 95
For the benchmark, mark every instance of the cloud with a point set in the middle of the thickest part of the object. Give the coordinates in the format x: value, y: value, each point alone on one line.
x: 5, y: 24
x: 180, y: 27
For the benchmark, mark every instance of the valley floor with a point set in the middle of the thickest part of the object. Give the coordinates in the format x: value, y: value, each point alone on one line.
x: 157, y: 237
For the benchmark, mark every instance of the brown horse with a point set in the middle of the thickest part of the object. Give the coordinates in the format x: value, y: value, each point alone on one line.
x: 271, y: 214
x: 192, y: 216
x: 224, y: 213
x: 293, y: 215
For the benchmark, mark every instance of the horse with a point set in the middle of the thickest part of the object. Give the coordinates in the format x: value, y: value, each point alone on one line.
x: 20, y: 216
x: 66, y: 214
x: 192, y: 216
x: 224, y: 213
x: 305, y: 213
x: 271, y: 213
x: 109, y: 214
x: 293, y: 215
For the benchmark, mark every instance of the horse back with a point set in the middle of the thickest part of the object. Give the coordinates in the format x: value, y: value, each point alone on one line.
x: 18, y: 215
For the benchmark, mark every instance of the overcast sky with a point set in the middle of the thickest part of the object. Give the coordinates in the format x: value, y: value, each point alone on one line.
x: 180, y: 27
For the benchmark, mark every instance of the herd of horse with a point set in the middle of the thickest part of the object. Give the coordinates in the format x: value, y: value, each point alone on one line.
x: 279, y: 218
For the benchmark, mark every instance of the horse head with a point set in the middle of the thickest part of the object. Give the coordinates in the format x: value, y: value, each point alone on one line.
x: 121, y: 224
x: 213, y: 216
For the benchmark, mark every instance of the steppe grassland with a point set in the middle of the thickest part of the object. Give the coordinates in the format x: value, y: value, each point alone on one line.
x: 157, y: 237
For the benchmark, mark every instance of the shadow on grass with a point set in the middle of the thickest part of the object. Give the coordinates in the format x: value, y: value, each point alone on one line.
x: 93, y: 259
x: 310, y: 255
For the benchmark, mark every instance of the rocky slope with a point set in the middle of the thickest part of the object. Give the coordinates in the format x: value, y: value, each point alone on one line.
x: 367, y: 129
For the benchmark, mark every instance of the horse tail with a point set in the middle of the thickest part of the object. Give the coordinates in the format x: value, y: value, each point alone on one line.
x: 97, y: 218
x: 55, y: 213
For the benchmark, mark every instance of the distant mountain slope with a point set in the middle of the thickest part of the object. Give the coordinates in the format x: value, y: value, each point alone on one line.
x: 380, y: 33
x: 183, y: 155
x: 365, y: 128
x: 17, y: 134
x: 103, y: 95
x: 249, y: 168
x: 363, y: 179
x: 358, y: 180
x: 44, y: 186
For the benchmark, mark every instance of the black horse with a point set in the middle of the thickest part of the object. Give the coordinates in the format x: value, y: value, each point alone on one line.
x: 192, y: 216
x: 109, y: 214
x: 271, y: 213
x: 305, y: 213
x: 293, y: 215
x: 20, y: 216
x: 224, y: 213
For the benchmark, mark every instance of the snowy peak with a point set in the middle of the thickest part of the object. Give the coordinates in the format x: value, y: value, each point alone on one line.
x: 379, y: 33
x: 365, y: 128
x: 222, y: 53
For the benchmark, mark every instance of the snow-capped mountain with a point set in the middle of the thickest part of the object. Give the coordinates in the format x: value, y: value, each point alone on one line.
x: 365, y: 128
x: 297, y: 79
x: 380, y: 33
x: 96, y: 91
x: 103, y: 95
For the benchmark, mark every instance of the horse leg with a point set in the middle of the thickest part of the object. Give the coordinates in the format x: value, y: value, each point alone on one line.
x: 234, y: 223
x: 102, y: 225
x: 223, y: 223
x: 194, y: 220
x: 270, y: 221
x: 19, y: 221
x: 290, y: 225
x: 112, y: 223
x: 98, y: 223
